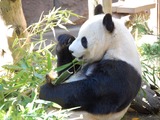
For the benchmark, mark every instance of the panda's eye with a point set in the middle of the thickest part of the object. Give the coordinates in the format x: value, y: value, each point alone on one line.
x: 84, y: 42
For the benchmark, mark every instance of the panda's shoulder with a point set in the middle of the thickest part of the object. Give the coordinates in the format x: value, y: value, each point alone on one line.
x: 115, y: 67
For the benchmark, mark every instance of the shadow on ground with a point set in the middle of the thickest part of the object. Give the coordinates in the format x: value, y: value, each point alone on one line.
x: 139, y: 116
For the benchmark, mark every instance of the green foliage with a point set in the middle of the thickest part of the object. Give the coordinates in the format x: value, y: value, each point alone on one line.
x: 19, y: 87
x: 150, y: 53
x: 141, y: 29
x: 55, y: 18
x: 149, y: 50
x: 66, y: 73
x: 151, y: 63
x: 138, y: 24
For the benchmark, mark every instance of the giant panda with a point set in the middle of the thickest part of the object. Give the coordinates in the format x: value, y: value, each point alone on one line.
x: 110, y: 78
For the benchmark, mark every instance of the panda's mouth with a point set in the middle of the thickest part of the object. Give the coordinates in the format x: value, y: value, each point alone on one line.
x: 80, y: 58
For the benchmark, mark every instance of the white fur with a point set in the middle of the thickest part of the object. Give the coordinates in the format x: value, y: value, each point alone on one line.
x: 93, y: 30
x: 79, y: 75
x: 87, y: 116
x: 5, y: 58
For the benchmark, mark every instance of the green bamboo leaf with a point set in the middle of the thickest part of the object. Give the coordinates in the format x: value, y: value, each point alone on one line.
x: 2, y: 114
x: 40, y: 76
x: 20, y: 74
x: 24, y: 64
x: 49, y: 61
x: 12, y: 67
x: 1, y: 87
x: 15, y: 42
x: 58, y: 69
x: 62, y: 26
x: 63, y: 77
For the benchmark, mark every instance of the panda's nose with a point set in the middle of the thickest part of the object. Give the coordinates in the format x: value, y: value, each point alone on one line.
x: 70, y: 51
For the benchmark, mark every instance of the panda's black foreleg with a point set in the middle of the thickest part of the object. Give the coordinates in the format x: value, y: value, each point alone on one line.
x: 64, y: 56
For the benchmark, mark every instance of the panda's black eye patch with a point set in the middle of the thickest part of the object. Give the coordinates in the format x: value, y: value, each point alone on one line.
x: 84, y: 42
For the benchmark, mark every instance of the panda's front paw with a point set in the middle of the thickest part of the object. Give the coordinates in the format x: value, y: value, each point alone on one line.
x: 64, y: 40
x: 46, y: 91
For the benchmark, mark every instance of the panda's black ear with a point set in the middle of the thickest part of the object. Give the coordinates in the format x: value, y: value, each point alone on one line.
x: 108, y: 22
x: 98, y: 9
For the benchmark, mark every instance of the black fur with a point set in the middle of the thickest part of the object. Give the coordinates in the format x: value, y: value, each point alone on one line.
x: 108, y: 23
x: 98, y: 9
x: 63, y: 54
x: 84, y: 42
x: 110, y: 88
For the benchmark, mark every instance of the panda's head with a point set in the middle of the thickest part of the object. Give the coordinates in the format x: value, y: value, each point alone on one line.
x: 103, y: 37
x: 93, y: 39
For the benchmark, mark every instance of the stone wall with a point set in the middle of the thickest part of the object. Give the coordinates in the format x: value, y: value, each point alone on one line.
x: 34, y: 8
x: 79, y: 7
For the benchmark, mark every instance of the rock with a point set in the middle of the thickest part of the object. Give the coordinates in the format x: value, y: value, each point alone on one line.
x: 147, y: 101
x: 79, y: 7
x: 33, y: 9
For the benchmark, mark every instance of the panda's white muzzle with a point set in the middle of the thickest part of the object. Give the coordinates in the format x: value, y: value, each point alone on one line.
x: 77, y: 50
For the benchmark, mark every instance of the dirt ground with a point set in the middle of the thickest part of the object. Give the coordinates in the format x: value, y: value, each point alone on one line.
x: 138, y: 116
